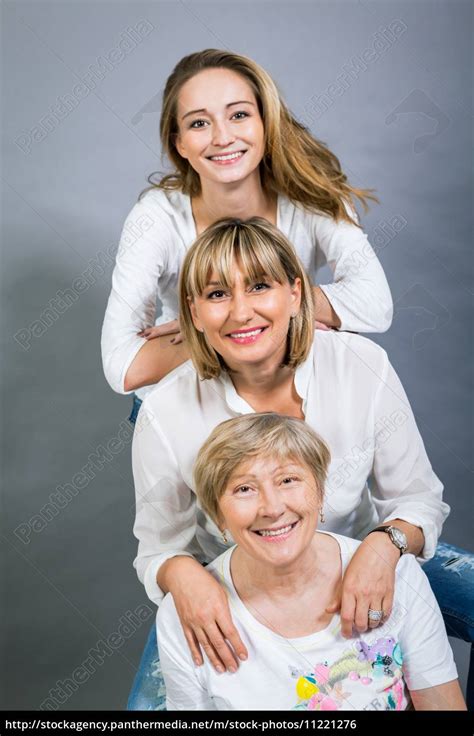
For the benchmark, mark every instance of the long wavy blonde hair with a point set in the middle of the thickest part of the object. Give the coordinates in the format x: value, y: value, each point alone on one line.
x: 294, y: 163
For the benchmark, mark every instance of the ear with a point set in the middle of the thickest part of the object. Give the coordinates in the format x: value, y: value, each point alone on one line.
x: 296, y: 295
x: 195, y: 318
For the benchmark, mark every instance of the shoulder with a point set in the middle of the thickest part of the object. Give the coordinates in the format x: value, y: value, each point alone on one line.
x: 320, y: 219
x: 410, y: 576
x: 168, y: 627
x: 167, y: 614
x: 348, y: 349
x: 182, y: 383
x: 160, y: 206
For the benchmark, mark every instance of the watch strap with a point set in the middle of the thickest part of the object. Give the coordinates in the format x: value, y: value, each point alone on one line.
x: 386, y: 529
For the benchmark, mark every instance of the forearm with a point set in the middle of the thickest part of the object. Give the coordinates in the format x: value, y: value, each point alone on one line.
x: 323, y: 309
x: 155, y: 359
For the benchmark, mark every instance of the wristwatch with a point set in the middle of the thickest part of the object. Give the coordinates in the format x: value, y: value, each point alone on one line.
x: 396, y: 535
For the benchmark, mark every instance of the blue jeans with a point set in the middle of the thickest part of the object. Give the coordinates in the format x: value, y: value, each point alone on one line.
x: 451, y: 576
x: 135, y: 409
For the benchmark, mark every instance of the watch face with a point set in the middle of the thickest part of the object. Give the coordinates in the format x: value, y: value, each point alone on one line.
x: 399, y: 537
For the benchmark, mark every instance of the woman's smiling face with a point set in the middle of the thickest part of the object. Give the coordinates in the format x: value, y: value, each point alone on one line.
x: 218, y: 114
x: 270, y: 506
x: 248, y: 322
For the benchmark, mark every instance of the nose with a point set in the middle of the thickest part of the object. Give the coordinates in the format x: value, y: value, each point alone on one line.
x: 221, y: 134
x: 241, y: 310
x: 272, y: 503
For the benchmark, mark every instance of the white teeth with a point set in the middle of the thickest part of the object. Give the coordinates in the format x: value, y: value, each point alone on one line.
x: 228, y: 157
x: 276, y: 533
x: 246, y: 334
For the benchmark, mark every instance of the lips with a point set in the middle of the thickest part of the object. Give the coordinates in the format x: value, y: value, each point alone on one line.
x: 275, y: 533
x: 228, y: 156
x: 250, y: 331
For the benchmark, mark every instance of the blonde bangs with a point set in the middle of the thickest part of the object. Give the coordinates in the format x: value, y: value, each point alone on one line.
x: 256, y: 257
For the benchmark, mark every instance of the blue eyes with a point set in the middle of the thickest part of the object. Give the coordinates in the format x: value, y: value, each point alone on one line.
x: 196, y: 127
x: 217, y: 293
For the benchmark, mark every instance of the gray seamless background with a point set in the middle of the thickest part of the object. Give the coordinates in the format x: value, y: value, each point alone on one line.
x: 402, y: 126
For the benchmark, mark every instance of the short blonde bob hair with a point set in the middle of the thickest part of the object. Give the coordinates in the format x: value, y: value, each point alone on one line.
x: 265, y: 434
x: 260, y: 249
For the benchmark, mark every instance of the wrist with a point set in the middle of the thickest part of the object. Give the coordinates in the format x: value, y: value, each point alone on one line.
x: 383, y: 546
x: 172, y: 570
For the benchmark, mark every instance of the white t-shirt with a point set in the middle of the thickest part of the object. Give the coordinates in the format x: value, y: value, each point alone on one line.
x: 160, y: 229
x: 351, y: 396
x: 322, y: 671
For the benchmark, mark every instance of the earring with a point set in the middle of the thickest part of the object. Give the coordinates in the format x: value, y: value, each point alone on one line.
x: 321, y: 515
x: 224, y: 537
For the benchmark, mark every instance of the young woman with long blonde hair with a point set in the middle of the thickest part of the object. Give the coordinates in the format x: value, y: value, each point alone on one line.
x: 237, y: 151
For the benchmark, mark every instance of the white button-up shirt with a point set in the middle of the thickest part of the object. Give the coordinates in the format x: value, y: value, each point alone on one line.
x: 160, y: 229
x: 351, y: 396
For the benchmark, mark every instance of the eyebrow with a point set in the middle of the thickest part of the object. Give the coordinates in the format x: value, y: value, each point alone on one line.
x: 249, y: 476
x: 203, y: 109
x: 248, y: 280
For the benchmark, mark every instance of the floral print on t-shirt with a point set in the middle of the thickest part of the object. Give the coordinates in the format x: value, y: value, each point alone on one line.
x: 375, y: 668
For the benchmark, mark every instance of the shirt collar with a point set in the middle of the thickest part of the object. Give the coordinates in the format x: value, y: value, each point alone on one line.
x: 302, y: 382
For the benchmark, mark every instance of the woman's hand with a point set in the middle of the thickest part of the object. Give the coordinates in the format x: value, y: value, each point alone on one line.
x: 368, y: 582
x: 320, y: 326
x: 203, y: 609
x: 167, y: 328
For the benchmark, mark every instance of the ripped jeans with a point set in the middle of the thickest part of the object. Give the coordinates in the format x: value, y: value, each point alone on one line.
x: 451, y: 576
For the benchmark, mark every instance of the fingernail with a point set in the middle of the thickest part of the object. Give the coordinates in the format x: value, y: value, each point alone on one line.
x: 232, y: 669
x: 243, y: 657
x: 219, y: 669
x: 197, y: 662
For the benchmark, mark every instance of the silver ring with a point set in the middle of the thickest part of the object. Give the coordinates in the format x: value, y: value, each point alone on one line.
x: 375, y: 615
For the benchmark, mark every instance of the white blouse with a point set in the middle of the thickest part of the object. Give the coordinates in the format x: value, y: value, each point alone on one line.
x: 156, y: 236
x: 351, y: 396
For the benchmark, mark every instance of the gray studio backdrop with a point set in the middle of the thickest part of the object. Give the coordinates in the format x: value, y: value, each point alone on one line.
x: 81, y: 91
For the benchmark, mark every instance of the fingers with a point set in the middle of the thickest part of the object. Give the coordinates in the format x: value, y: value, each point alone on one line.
x: 361, y: 621
x: 232, y: 635
x: 168, y: 328
x: 177, y: 339
x: 372, y: 623
x: 321, y: 326
x: 193, y: 645
x: 223, y: 652
x: 387, y: 605
x: 209, y: 650
x: 348, y: 609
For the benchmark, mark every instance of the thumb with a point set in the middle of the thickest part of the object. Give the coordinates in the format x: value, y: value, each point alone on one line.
x: 334, y: 606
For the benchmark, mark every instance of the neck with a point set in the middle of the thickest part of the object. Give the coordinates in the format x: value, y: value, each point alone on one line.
x: 254, y: 579
x: 242, y: 199
x: 262, y: 378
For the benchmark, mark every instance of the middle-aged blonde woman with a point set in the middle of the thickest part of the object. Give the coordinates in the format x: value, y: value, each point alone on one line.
x: 247, y: 316
x: 260, y: 477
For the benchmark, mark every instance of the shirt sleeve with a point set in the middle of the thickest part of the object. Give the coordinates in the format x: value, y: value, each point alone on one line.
x: 403, y: 483
x: 360, y: 294
x: 427, y: 655
x: 166, y: 515
x: 184, y: 687
x: 141, y: 258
